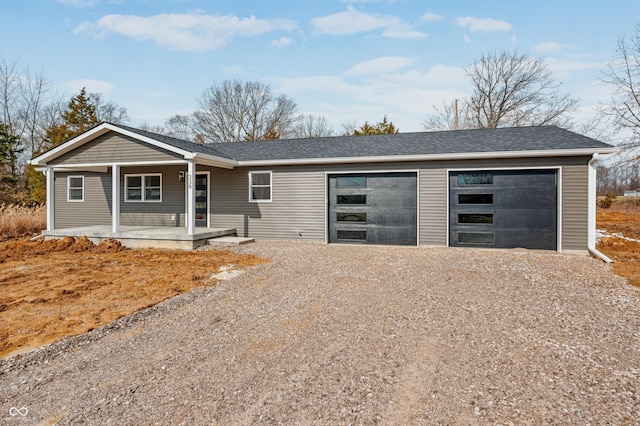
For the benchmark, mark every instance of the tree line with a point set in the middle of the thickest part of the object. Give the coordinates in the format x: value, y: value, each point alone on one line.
x: 510, y: 89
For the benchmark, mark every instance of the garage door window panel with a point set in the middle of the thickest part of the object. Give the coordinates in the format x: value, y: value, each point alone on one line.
x: 351, y: 235
x: 475, y: 198
x: 479, y: 238
x: 351, y: 217
x: 475, y: 218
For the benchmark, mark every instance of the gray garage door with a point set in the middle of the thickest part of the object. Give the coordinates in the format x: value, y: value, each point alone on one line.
x: 373, y: 208
x: 504, y: 209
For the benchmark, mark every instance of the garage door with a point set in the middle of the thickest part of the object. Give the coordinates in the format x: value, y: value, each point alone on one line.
x: 504, y: 209
x: 373, y: 208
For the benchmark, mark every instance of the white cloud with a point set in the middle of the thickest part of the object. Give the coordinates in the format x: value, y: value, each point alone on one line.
x: 353, y: 21
x: 186, y: 32
x: 483, y: 24
x: 406, y: 96
x: 282, y: 42
x: 565, y: 69
x: 466, y: 39
x: 551, y: 46
x: 384, y: 65
x: 91, y: 86
x: 79, y: 3
x: 431, y: 17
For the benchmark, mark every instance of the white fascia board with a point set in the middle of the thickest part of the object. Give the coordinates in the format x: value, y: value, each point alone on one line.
x: 96, y: 132
x: 432, y: 157
x: 212, y: 160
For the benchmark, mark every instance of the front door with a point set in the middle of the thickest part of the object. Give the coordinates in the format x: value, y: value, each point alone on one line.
x: 202, y: 200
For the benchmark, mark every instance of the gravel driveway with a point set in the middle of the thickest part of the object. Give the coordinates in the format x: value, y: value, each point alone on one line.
x: 330, y: 334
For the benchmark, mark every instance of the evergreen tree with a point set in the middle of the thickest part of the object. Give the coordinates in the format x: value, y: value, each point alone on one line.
x: 79, y: 117
x: 383, y: 127
x: 9, y: 150
x: 9, y: 172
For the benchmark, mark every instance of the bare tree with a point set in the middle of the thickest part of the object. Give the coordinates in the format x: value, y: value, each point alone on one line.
x: 25, y: 100
x: 510, y: 90
x: 623, y: 75
x: 451, y: 116
x: 238, y: 111
x: 311, y: 126
x: 182, y: 127
x: 108, y: 111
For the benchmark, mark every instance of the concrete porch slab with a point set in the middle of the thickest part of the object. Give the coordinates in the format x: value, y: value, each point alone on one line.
x: 144, y: 236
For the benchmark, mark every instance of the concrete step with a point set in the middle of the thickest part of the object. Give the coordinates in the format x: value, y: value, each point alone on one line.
x: 227, y: 240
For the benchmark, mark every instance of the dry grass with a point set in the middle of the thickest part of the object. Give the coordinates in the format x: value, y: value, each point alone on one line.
x: 21, y: 221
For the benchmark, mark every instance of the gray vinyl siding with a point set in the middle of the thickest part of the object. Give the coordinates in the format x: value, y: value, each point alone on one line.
x: 433, y: 207
x: 297, y: 209
x: 112, y: 147
x: 575, y: 207
x: 149, y: 213
x: 299, y: 199
x: 94, y: 210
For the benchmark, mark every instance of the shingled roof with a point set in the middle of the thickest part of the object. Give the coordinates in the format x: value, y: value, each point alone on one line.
x: 545, y: 141
x: 520, y: 139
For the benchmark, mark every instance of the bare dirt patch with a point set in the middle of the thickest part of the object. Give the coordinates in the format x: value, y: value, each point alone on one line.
x: 623, y: 217
x: 58, y: 288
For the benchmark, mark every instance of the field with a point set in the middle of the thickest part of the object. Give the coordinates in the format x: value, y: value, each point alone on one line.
x: 53, y: 289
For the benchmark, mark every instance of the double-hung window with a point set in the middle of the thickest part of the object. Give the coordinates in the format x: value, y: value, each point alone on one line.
x: 147, y: 187
x: 75, y: 189
x: 259, y: 186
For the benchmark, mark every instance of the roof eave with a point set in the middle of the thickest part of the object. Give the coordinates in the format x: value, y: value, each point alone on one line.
x: 212, y: 160
x: 432, y: 157
x: 96, y: 132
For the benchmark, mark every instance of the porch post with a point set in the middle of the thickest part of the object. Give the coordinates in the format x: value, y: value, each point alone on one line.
x: 50, y: 197
x: 115, y: 198
x: 191, y: 197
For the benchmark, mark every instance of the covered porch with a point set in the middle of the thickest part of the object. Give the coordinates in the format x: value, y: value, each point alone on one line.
x: 145, y: 236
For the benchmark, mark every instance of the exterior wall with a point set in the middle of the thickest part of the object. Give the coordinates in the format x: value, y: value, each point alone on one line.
x: 113, y: 147
x: 94, y: 210
x: 575, y: 207
x: 169, y: 212
x: 96, y: 207
x: 298, y: 208
x: 299, y: 204
x: 296, y: 212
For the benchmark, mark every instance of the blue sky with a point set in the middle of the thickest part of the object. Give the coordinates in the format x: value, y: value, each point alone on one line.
x: 348, y: 60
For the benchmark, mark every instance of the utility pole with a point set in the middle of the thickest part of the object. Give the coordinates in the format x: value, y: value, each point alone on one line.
x: 455, y: 125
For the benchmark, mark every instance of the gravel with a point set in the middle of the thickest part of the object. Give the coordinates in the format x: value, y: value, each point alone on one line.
x: 332, y: 334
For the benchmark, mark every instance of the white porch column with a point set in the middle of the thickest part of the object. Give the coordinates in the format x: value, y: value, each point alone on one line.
x: 115, y: 198
x: 49, y: 175
x: 191, y: 197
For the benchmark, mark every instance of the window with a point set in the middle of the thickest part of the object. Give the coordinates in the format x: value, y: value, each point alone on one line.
x: 351, y: 182
x: 75, y: 189
x: 476, y: 238
x: 352, y: 199
x: 475, y: 198
x: 351, y: 217
x: 259, y: 187
x: 465, y: 179
x: 146, y: 187
x: 352, y: 235
x: 475, y: 218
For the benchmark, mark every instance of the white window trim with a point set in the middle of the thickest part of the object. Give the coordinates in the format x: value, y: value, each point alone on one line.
x: 143, y: 188
x: 69, y: 188
x: 270, y: 186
